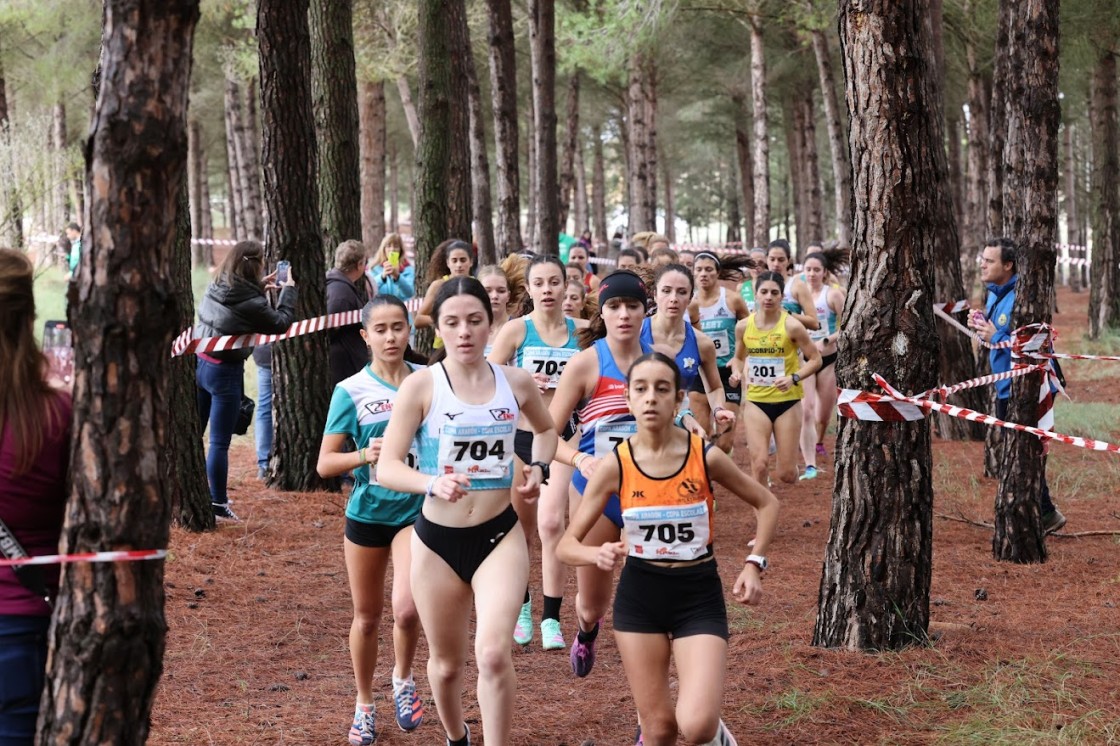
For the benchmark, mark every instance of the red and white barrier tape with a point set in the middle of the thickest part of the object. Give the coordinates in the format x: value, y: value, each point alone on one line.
x: 186, y: 343
x: 129, y: 555
x: 957, y: 307
x: 944, y: 391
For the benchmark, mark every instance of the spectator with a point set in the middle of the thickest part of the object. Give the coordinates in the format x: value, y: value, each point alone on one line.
x: 262, y: 430
x: 234, y: 303
x: 997, y: 271
x: 348, y: 289
x: 35, y: 423
x: 74, y: 234
x: 391, y: 271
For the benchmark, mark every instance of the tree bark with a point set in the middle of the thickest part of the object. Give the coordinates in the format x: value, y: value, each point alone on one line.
x: 542, y: 43
x: 300, y: 374
x: 237, y: 221
x: 433, y: 151
x: 482, y: 210
x: 243, y: 152
x: 1104, y: 306
x: 837, y: 145
x: 811, y: 180
x: 1073, y: 216
x: 251, y: 155
x: 976, y: 219
x: 638, y: 125
x: 670, y: 206
x: 761, y: 154
x: 334, y: 98
x: 533, y: 198
x: 997, y: 123
x: 373, y: 132
x: 874, y: 592
x: 195, y: 176
x: 956, y: 173
x: 459, y: 203
x: 394, y: 190
x: 1030, y: 217
x: 580, y: 209
x: 734, y: 218
x: 746, y: 176
x: 649, y: 83
x: 11, y: 220
x: 409, y: 110
x: 108, y: 635
x: 598, y: 188
x: 568, y: 161
x: 503, y: 101
x: 60, y: 182
x: 794, y: 124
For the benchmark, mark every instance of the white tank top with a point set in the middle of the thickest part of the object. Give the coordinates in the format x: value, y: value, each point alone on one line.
x: 472, y: 439
x: 825, y: 315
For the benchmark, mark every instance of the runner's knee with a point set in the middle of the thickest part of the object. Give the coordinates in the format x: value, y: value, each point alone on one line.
x: 493, y: 658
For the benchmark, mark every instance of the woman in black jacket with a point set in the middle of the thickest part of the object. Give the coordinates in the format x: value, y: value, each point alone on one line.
x: 348, y: 289
x: 234, y: 303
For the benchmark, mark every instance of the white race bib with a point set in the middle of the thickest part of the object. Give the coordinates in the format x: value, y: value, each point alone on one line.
x: 610, y: 434
x: 667, y: 533
x: 765, y: 371
x: 720, y: 340
x: 549, y: 361
x: 476, y: 450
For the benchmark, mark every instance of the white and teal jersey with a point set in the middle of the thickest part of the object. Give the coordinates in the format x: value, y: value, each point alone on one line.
x: 537, y: 356
x: 825, y: 315
x: 718, y: 322
x: 360, y: 409
x: 471, y: 439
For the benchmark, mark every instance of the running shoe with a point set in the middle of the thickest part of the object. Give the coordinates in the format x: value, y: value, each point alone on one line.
x: 464, y: 741
x: 810, y: 473
x: 638, y: 738
x: 523, y: 632
x: 362, y: 732
x: 551, y: 636
x: 583, y: 656
x: 821, y: 452
x: 222, y: 512
x: 724, y: 737
x: 410, y: 708
x: 1053, y: 521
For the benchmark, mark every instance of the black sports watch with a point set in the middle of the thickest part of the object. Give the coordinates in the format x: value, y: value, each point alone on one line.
x: 545, y: 470
x: 796, y: 379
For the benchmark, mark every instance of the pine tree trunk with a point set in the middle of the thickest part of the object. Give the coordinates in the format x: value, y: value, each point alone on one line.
x: 542, y: 44
x: 670, y: 207
x: 183, y: 462
x: 568, y: 160
x: 373, y: 132
x: 206, y: 229
x: 976, y: 219
x: 108, y: 634
x: 409, y: 109
x: 394, y: 190
x: 579, y: 204
x: 300, y: 373
x: 1030, y: 216
x: 746, y: 177
x: 334, y: 99
x: 503, y: 101
x: 598, y: 189
x: 251, y: 153
x: 1104, y: 305
x: 1073, y: 216
x: 433, y: 151
x: 11, y: 220
x: 59, y: 182
x: 733, y: 216
x: 482, y: 210
x: 761, y: 152
x: 533, y: 198
x: 794, y: 125
x: 649, y: 83
x: 195, y: 176
x: 956, y: 173
x: 874, y: 592
x: 837, y: 145
x: 811, y: 182
x: 237, y: 222
x: 459, y: 203
x: 997, y: 123
x: 242, y: 151
x: 637, y: 126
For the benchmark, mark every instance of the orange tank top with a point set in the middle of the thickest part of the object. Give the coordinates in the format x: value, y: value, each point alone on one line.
x: 666, y: 519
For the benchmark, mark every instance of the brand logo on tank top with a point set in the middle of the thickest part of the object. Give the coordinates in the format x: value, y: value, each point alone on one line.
x: 688, y: 487
x: 451, y: 415
x: 689, y: 363
x: 379, y: 406
x: 722, y: 312
x: 638, y: 494
x: 502, y: 415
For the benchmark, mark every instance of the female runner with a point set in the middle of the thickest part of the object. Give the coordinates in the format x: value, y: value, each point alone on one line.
x: 718, y: 311
x: 820, y: 390
x: 496, y: 284
x: 746, y: 287
x: 771, y: 338
x: 668, y: 331
x: 575, y: 300
x: 467, y: 543
x: 579, y: 257
x: 378, y: 520
x: 452, y: 258
x: 542, y: 343
x: 796, y: 298
x: 669, y: 603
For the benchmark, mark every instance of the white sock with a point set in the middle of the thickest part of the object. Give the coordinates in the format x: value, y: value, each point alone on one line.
x: 400, y: 683
x: 360, y: 707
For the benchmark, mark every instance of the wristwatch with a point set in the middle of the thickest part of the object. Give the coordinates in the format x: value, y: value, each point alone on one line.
x: 758, y: 561
x: 545, y: 471
x: 796, y: 379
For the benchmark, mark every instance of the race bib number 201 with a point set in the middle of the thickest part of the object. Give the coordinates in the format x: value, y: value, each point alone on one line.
x: 765, y: 371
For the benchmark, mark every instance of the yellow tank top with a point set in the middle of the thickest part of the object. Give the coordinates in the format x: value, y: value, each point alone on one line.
x: 437, y: 341
x: 771, y: 354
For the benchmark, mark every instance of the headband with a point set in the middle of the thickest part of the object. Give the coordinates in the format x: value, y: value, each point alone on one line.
x: 708, y: 255
x: 623, y: 284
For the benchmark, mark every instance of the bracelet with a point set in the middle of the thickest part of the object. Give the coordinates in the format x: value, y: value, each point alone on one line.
x: 430, y: 490
x: 579, y: 457
x: 681, y: 415
x: 363, y: 456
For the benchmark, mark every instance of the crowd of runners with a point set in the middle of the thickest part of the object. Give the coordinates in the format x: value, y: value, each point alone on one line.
x: 575, y: 418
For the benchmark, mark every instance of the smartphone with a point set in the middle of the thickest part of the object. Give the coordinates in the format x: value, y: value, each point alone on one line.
x: 58, y: 349
x: 282, y: 272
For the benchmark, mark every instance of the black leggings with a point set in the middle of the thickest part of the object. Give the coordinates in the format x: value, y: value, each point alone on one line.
x: 465, y: 549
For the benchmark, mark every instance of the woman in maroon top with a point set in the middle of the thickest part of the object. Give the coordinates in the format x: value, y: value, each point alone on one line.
x: 34, y: 455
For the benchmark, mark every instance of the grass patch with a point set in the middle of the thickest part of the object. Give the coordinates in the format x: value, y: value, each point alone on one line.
x: 1098, y: 421
x: 793, y: 706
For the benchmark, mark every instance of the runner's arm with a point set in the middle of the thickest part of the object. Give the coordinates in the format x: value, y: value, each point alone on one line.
x: 571, y: 550
x: 413, y: 397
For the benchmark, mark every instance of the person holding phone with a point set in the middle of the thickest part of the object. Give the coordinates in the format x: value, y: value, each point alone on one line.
x: 35, y: 424
x: 234, y: 303
x: 390, y: 270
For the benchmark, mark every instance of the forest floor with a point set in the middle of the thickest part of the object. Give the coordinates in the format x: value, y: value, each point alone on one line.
x: 259, y: 612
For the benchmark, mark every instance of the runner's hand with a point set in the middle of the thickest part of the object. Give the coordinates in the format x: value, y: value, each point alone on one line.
x: 530, y: 490
x: 609, y: 555
x: 542, y: 381
x: 748, y: 586
x: 588, y: 466
x: 785, y: 383
x: 694, y: 427
x: 724, y: 416
x: 451, y: 487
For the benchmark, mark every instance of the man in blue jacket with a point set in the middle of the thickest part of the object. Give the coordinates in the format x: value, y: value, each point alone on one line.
x: 997, y: 270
